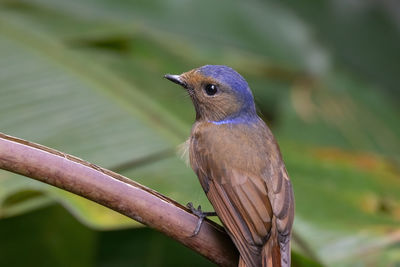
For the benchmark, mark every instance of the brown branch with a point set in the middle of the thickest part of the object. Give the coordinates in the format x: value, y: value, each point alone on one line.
x: 118, y: 193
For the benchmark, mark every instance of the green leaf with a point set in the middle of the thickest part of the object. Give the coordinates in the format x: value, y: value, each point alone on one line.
x: 50, y: 96
x: 52, y: 237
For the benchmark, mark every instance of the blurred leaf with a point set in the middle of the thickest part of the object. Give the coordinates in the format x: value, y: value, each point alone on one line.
x: 232, y: 26
x: 362, y: 35
x: 53, y: 98
x: 22, y: 201
x: 339, y: 110
x: 347, y: 204
x: 47, y: 237
x: 144, y: 247
x: 52, y: 237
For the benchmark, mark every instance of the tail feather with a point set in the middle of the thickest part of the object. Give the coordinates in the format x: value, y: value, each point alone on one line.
x: 271, y: 253
x: 276, y: 251
x: 284, y: 242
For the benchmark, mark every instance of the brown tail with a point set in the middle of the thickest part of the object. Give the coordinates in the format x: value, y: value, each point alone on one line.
x: 276, y: 252
x: 271, y: 253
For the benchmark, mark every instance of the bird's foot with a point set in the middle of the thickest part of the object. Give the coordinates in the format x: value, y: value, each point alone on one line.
x: 199, y: 213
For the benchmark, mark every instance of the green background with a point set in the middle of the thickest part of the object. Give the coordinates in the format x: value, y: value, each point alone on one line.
x: 85, y: 77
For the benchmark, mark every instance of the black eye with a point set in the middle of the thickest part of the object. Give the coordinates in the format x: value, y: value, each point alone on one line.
x: 210, y: 89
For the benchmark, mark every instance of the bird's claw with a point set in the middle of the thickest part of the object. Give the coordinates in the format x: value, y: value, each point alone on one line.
x: 200, y: 214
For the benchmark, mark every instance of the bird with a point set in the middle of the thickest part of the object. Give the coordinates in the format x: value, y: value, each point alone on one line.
x: 239, y: 165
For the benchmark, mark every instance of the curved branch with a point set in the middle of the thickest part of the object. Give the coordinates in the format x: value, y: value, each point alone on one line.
x: 118, y: 193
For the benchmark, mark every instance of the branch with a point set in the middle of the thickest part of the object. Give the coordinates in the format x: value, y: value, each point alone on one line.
x: 118, y: 193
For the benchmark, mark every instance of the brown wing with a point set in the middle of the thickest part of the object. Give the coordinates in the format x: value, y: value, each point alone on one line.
x: 246, y: 190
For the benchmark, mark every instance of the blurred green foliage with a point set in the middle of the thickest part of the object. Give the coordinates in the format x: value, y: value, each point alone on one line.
x: 85, y: 77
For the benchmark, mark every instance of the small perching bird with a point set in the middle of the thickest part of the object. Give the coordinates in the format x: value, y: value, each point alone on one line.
x: 239, y: 165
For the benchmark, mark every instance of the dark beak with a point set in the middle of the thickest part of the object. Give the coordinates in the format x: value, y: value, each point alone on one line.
x: 176, y: 79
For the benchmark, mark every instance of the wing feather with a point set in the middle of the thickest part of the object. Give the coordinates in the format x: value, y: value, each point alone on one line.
x: 236, y: 228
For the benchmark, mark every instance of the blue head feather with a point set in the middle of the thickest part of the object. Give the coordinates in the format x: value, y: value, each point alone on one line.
x: 238, y: 84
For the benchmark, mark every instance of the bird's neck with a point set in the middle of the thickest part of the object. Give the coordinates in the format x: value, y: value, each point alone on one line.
x: 247, y: 113
x: 241, y: 118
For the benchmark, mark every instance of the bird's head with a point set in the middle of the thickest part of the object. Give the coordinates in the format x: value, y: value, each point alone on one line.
x: 218, y: 93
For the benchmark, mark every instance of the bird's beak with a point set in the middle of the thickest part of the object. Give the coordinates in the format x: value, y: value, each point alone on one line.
x: 176, y: 79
